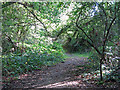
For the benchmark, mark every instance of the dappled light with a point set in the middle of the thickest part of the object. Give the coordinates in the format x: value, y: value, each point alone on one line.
x: 65, y: 83
x: 60, y: 45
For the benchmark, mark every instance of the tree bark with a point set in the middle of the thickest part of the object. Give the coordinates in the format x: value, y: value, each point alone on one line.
x: 13, y: 45
x: 101, y: 75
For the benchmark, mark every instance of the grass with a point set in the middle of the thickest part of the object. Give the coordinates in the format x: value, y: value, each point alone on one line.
x: 77, y: 54
x: 82, y: 55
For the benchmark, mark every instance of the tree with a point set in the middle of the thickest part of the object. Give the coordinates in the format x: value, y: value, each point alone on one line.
x: 108, y: 23
x: 18, y: 18
x: 96, y: 22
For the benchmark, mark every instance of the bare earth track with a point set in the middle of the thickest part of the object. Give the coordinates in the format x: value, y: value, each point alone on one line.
x: 57, y: 76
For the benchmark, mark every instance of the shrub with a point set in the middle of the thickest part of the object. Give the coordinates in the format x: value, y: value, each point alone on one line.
x: 34, y: 57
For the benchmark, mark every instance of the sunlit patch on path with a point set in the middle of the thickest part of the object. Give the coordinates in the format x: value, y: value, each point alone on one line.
x: 76, y: 83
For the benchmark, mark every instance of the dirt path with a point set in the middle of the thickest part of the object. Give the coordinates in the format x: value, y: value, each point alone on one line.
x: 57, y: 76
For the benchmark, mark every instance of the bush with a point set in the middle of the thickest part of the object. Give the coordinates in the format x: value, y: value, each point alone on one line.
x: 34, y: 57
x: 94, y: 60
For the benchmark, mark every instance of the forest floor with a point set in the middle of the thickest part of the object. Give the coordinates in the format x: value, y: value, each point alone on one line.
x: 60, y: 75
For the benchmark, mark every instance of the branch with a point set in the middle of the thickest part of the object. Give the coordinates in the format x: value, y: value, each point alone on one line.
x: 7, y: 4
x: 10, y: 40
x: 36, y: 18
x: 106, y: 21
x: 108, y: 30
x: 61, y: 31
x: 81, y: 28
x: 93, y: 46
x: 10, y: 3
x: 106, y: 37
x: 87, y: 36
x: 26, y: 4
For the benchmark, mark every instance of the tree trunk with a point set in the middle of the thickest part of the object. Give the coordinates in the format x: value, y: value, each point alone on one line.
x: 13, y: 45
x: 101, y: 77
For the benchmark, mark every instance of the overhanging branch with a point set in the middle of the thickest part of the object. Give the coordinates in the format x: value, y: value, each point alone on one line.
x: 106, y: 21
x: 25, y: 5
x: 10, y: 3
x: 91, y: 43
x: 93, y: 46
x: 81, y: 28
x: 7, y: 4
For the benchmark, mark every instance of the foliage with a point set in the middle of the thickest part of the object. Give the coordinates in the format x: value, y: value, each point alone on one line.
x: 30, y: 27
x: 22, y: 49
x: 94, y: 61
x: 78, y: 55
x: 32, y: 59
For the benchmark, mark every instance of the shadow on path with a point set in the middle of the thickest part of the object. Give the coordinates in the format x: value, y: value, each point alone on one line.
x: 57, y: 76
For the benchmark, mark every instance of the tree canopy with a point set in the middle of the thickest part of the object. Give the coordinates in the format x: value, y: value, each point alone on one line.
x: 41, y: 32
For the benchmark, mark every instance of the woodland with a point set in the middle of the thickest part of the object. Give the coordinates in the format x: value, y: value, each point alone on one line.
x: 44, y: 37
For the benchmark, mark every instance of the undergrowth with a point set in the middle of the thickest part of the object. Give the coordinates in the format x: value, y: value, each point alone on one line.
x: 32, y: 59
